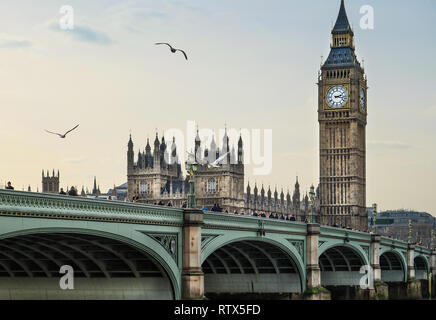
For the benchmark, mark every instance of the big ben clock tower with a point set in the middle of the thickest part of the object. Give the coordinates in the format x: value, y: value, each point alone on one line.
x: 342, y: 113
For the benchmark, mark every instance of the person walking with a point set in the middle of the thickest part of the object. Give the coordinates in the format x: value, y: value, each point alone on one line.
x: 9, y: 186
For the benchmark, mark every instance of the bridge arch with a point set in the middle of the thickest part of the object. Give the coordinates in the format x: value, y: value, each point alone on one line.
x: 86, y: 249
x: 421, y: 267
x: 250, y: 264
x: 340, y: 263
x: 393, y: 265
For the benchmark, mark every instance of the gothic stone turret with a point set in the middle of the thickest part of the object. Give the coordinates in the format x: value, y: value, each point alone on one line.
x: 50, y: 184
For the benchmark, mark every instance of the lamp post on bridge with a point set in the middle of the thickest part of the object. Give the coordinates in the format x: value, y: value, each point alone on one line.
x: 312, y: 203
x: 374, y: 213
x: 409, y: 239
x: 192, y: 168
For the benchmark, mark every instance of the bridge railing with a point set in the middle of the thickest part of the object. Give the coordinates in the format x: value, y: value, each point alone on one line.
x: 344, y: 234
x: 228, y: 220
x: 20, y: 203
x: 403, y: 245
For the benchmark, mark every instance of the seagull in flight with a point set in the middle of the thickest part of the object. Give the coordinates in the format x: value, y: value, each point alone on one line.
x: 173, y: 50
x: 216, y: 163
x: 62, y: 136
x: 191, y: 158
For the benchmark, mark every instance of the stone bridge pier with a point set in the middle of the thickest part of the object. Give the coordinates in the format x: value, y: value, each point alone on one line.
x: 314, y: 291
x: 192, y: 274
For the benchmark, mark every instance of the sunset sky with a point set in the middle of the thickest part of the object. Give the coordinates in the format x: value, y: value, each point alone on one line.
x: 252, y: 64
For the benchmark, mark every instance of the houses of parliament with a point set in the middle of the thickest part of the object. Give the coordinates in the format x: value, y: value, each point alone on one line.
x: 152, y: 179
x: 341, y: 195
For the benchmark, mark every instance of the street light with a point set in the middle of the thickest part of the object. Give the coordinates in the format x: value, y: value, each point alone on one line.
x: 192, y: 169
x: 410, y: 231
x: 374, y: 213
x: 312, y: 200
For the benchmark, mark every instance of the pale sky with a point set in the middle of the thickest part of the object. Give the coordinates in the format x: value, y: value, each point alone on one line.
x: 252, y: 64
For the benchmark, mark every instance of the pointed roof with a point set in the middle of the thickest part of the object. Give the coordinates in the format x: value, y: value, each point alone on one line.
x: 342, y: 24
x: 213, y: 144
x: 130, y: 141
x: 174, y: 148
x: 156, y: 141
x: 197, y: 136
x: 225, y: 140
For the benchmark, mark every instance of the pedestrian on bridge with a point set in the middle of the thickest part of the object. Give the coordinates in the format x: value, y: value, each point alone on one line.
x: 9, y: 186
x: 72, y: 192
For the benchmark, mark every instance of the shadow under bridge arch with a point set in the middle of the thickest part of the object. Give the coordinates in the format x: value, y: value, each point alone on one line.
x: 104, y: 268
x: 392, y: 267
x: 340, y: 266
x: 251, y: 267
x: 421, y: 267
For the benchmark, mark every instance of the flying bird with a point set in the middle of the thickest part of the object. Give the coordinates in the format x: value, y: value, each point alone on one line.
x: 173, y: 50
x: 216, y: 163
x: 62, y: 136
x: 191, y: 158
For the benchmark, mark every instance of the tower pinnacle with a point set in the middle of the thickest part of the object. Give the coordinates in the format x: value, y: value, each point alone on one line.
x: 342, y: 25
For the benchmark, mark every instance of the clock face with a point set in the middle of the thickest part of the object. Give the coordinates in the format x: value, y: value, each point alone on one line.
x: 337, y: 97
x: 362, y: 99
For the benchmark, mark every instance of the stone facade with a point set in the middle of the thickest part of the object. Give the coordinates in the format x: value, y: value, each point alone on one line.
x: 275, y: 203
x: 156, y: 177
x: 342, y: 116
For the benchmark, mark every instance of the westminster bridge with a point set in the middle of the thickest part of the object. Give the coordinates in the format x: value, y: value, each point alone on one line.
x: 121, y: 250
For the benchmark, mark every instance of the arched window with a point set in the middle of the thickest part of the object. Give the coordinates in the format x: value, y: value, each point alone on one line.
x: 211, y: 186
x: 144, y: 187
